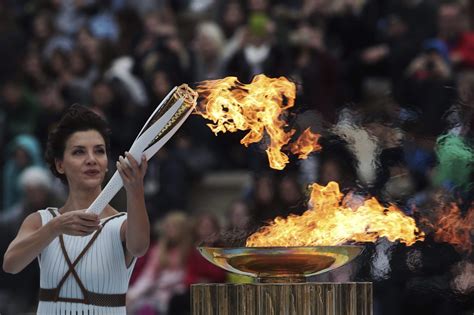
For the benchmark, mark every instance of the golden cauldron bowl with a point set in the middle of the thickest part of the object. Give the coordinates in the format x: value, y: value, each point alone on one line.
x: 281, y: 264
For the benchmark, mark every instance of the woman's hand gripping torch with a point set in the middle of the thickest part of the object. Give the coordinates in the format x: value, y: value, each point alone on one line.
x: 159, y: 128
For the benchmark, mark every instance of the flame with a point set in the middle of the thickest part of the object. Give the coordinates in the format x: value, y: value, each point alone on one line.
x: 452, y: 227
x: 306, y: 143
x: 332, y: 221
x: 258, y: 107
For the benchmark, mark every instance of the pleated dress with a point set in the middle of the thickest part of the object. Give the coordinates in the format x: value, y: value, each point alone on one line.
x: 84, y: 274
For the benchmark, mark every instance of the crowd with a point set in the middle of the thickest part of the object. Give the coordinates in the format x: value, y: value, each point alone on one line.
x: 388, y: 85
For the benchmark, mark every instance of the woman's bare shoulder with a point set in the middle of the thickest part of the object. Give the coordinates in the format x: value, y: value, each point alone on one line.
x: 32, y: 221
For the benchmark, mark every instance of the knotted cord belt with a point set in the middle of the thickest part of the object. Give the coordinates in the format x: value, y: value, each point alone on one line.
x: 98, y: 299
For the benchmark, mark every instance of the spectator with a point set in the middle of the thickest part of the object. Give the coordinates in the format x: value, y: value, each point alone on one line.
x: 233, y: 18
x: 336, y: 163
x: 209, y: 44
x: 103, y: 24
x: 161, y: 83
x: 158, y: 46
x: 317, y: 70
x: 199, y: 269
x: 164, y: 274
x: 452, y: 29
x: 399, y: 184
x: 70, y: 16
x: 20, y: 109
x: 291, y: 197
x: 259, y: 53
x: 238, y: 216
x: 52, y: 106
x: 23, y: 151
x: 263, y: 198
x: 82, y: 74
x: 168, y: 183
x: 207, y: 230
x: 108, y: 103
x: 33, y: 71
x: 37, y: 193
x: 12, y: 40
x: 426, y: 87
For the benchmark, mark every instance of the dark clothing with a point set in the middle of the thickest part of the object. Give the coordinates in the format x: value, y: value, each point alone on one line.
x: 431, y: 98
x: 275, y: 65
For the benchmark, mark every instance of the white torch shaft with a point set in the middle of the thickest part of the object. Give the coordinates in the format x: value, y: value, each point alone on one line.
x: 138, y: 148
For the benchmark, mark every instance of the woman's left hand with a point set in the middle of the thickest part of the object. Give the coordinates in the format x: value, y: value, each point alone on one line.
x: 132, y: 174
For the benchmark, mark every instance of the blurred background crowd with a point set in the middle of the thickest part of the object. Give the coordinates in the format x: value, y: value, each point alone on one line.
x: 389, y: 84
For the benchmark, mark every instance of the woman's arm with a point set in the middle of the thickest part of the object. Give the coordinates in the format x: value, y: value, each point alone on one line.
x: 33, y: 237
x: 136, y: 230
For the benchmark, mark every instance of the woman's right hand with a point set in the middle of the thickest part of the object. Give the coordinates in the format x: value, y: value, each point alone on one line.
x: 77, y: 223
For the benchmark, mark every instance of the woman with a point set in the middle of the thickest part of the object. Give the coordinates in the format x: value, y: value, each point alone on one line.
x: 23, y: 151
x: 198, y: 269
x: 85, y: 259
x: 164, y: 273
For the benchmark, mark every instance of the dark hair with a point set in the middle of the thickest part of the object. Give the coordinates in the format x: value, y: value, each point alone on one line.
x: 76, y: 118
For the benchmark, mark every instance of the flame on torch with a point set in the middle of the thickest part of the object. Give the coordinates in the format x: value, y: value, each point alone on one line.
x: 259, y: 108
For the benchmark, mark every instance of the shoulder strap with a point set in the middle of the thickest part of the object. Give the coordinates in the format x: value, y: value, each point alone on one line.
x: 72, y: 265
x: 113, y: 217
x: 52, y: 212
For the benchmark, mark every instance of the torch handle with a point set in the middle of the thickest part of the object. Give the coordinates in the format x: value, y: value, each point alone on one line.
x: 109, y: 191
x: 137, y: 149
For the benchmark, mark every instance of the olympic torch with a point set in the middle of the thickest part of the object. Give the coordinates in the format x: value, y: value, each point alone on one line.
x: 162, y: 124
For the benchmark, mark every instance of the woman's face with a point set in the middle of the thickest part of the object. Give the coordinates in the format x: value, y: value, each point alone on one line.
x: 78, y: 64
x: 58, y: 63
x: 239, y: 215
x: 102, y: 95
x: 206, y: 228
x: 32, y: 64
x: 85, y: 160
x: 174, y: 229
x: 41, y: 27
x: 233, y: 15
